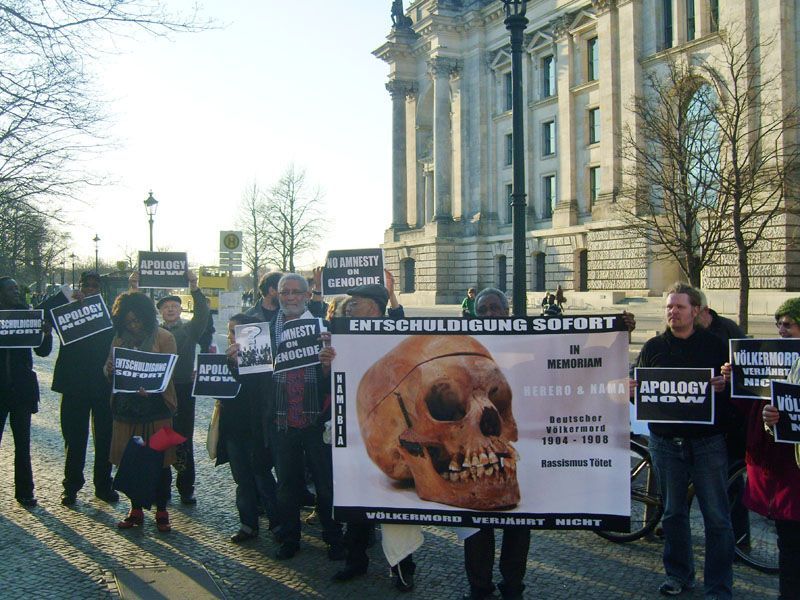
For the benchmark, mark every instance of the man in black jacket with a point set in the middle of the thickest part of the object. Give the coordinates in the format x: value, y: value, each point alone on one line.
x: 19, y: 395
x: 682, y: 452
x: 85, y: 393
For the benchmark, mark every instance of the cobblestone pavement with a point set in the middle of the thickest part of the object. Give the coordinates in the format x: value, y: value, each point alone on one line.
x: 53, y: 551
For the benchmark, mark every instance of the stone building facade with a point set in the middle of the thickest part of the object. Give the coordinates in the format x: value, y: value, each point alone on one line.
x: 584, y: 60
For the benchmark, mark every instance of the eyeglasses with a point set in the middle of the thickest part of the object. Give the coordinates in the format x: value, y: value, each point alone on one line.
x: 289, y: 293
x: 785, y: 324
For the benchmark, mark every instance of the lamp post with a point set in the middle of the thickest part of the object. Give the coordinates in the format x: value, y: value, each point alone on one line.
x: 150, y: 207
x: 63, y: 268
x: 515, y: 22
x: 96, y: 239
x: 72, y: 258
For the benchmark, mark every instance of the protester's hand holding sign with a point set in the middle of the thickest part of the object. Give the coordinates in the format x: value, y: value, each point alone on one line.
x: 770, y: 415
x: 192, y: 277
x: 327, y: 354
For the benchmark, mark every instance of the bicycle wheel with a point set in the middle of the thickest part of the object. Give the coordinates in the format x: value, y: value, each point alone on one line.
x: 646, y: 504
x: 757, y: 543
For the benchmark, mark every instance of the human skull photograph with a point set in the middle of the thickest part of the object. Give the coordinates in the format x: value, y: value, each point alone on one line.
x: 437, y: 410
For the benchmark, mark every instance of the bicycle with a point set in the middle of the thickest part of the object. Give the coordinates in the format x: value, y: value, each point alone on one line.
x: 757, y: 548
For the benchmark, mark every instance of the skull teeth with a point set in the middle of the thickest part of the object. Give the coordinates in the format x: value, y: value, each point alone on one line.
x: 493, y: 458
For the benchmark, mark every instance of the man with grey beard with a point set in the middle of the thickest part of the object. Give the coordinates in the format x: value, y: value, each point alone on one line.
x: 297, y: 408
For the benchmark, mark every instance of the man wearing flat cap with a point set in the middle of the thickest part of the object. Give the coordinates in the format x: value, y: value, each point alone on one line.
x: 366, y: 297
x: 187, y: 334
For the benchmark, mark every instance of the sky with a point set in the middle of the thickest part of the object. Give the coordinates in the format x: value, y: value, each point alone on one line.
x: 198, y: 117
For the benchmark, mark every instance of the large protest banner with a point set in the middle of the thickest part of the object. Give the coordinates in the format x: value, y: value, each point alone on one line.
x: 21, y: 328
x: 756, y: 362
x: 134, y: 369
x: 674, y: 395
x: 472, y: 422
x: 786, y: 398
x: 81, y: 319
x: 299, y: 345
x: 345, y: 269
x: 163, y: 270
x: 255, y: 348
x: 213, y: 377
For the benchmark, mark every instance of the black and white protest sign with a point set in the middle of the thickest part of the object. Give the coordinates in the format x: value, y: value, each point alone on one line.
x: 474, y: 422
x: 758, y: 361
x: 134, y: 369
x: 345, y: 269
x: 163, y: 270
x: 255, y: 350
x: 78, y: 320
x: 21, y: 328
x: 61, y: 297
x: 674, y: 395
x: 786, y: 398
x: 299, y: 345
x: 213, y: 378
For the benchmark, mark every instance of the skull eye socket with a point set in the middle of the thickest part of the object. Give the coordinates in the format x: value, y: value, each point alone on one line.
x: 500, y: 396
x: 444, y: 403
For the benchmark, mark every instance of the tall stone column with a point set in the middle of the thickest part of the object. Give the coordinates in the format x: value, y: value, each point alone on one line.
x: 441, y: 69
x: 607, y: 28
x: 566, y: 211
x: 399, y: 90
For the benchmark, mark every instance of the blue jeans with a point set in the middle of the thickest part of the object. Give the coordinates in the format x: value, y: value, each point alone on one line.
x: 254, y: 482
x: 703, y: 461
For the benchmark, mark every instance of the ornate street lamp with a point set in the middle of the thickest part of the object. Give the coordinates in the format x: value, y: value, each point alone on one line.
x: 96, y: 240
x: 151, y: 206
x: 72, y: 257
x: 515, y: 23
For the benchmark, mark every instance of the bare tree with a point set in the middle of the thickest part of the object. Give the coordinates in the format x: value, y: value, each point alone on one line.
x: 671, y: 200
x: 757, y: 167
x: 293, y: 219
x: 50, y: 112
x: 252, y: 220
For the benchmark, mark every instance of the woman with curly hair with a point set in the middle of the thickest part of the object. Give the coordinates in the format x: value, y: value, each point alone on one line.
x: 141, y: 414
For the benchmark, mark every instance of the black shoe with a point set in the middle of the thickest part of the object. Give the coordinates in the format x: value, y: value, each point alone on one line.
x: 243, y: 536
x: 286, y: 551
x: 350, y: 572
x: 188, y: 499
x: 336, y: 552
x: 68, y: 498
x: 28, y: 501
x: 472, y: 595
x: 404, y: 582
x: 109, y: 495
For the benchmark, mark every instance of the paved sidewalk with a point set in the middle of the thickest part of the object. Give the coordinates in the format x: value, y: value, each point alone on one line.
x: 53, y: 551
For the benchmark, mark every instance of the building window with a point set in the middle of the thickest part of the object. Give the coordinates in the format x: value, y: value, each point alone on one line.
x: 502, y: 273
x: 549, y: 138
x: 548, y: 77
x: 666, y: 18
x: 549, y: 195
x: 593, y: 60
x: 583, y: 271
x: 594, y: 184
x: 509, y: 149
x: 594, y: 125
x: 508, y: 87
x: 408, y: 284
x: 713, y: 9
x: 690, y: 20
x: 538, y: 270
x: 509, y: 200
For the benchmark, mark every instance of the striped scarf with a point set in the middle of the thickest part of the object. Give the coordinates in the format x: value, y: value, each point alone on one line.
x: 312, y: 396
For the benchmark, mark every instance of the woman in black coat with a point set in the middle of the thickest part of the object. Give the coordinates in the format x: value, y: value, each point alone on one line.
x: 19, y: 395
